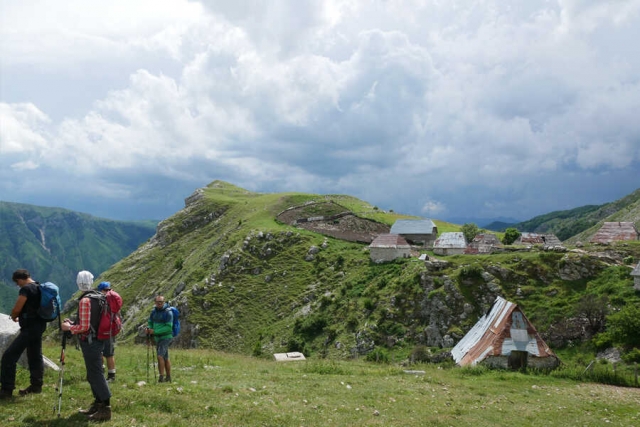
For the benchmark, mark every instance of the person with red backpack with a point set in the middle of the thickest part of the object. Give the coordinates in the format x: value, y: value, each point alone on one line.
x: 86, y: 327
x: 108, y: 348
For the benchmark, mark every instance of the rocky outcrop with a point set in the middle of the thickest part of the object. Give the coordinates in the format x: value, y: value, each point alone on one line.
x: 8, y: 330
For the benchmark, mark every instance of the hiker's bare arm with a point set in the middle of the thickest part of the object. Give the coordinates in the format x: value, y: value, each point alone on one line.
x: 15, y: 313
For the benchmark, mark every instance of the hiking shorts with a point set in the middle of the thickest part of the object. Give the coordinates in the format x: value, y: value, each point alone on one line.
x: 163, y: 348
x: 108, y: 347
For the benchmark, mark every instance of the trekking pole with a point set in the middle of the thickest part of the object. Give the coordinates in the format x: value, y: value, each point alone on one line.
x: 65, y: 335
x: 154, y: 368
x: 148, y: 348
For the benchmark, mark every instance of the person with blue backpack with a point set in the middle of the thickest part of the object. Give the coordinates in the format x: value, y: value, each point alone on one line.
x: 160, y: 326
x: 32, y: 326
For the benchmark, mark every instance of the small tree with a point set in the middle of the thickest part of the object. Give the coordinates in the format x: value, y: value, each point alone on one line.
x: 595, y: 310
x: 470, y: 230
x: 624, y: 326
x: 510, y: 235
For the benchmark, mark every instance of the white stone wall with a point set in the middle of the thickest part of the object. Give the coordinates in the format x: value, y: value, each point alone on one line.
x: 388, y: 254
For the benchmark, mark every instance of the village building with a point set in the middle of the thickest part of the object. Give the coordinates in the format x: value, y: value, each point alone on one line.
x: 530, y: 239
x: 504, y: 338
x: 451, y: 243
x: 387, y: 247
x: 616, y: 231
x: 636, y: 277
x: 483, y: 243
x: 416, y: 231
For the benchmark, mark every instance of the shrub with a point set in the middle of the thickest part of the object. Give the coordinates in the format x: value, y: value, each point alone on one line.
x: 368, y: 304
x: 310, y: 327
x: 378, y: 355
x: 632, y: 356
x: 420, y: 354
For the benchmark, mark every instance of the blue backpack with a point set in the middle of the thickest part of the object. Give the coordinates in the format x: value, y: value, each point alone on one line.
x: 176, y: 320
x: 49, y: 308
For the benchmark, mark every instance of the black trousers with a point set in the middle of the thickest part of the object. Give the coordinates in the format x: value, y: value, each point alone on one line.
x: 29, y: 338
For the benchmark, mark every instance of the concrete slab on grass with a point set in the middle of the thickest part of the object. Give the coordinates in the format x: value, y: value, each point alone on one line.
x: 287, y: 357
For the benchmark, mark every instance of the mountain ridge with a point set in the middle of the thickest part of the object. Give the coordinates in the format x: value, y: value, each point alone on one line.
x: 55, y: 243
x: 249, y: 283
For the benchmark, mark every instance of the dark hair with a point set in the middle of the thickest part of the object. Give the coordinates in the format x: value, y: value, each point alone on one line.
x: 20, y: 274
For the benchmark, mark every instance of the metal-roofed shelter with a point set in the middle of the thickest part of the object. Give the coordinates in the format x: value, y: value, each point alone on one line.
x: 451, y: 243
x: 504, y: 338
x: 417, y: 231
x: 483, y: 243
x: 547, y: 239
x: 636, y: 277
x: 616, y: 231
x: 387, y: 247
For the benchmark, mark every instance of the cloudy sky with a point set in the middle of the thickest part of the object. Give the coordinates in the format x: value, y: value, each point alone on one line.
x: 437, y: 108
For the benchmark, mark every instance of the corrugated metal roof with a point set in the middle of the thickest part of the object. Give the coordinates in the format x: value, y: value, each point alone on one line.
x: 413, y: 226
x: 549, y: 239
x: 389, y: 241
x: 532, y: 238
x: 483, y: 243
x: 503, y: 329
x: 453, y: 239
x: 616, y: 231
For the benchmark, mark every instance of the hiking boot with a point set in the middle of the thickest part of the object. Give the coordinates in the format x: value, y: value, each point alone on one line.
x: 90, y: 410
x: 31, y: 389
x: 111, y: 377
x: 167, y: 379
x: 6, y: 394
x: 103, y: 413
x: 161, y: 379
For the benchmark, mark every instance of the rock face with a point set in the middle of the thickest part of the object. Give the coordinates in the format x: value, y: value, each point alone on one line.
x: 8, y: 330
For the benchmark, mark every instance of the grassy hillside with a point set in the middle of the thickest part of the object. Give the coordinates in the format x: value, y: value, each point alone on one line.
x: 247, y: 283
x: 213, y: 388
x: 580, y: 224
x: 54, y: 244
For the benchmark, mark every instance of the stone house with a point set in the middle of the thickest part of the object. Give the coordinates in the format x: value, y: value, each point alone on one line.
x: 416, y: 231
x: 616, y: 231
x: 504, y: 338
x: 483, y: 243
x: 387, y: 247
x: 451, y: 243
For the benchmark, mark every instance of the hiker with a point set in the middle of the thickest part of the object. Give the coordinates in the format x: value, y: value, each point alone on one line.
x: 29, y: 338
x: 108, y: 348
x: 160, y: 325
x: 100, y: 409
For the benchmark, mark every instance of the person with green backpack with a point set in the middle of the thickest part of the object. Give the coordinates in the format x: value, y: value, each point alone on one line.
x: 160, y: 326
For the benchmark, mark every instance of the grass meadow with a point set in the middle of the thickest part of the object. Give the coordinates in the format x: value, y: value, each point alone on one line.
x: 211, y: 388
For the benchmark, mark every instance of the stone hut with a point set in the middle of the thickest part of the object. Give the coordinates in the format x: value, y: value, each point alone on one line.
x: 483, y: 243
x: 452, y: 243
x: 387, y: 247
x: 616, y: 231
x: 416, y: 231
x: 504, y: 338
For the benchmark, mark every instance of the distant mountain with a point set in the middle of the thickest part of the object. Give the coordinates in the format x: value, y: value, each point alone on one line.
x: 482, y: 222
x: 580, y: 223
x: 499, y: 225
x: 54, y: 244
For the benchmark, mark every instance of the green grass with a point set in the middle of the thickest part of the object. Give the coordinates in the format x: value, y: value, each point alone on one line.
x: 217, y: 389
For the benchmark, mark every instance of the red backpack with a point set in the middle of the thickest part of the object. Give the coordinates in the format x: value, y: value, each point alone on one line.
x: 110, y: 320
